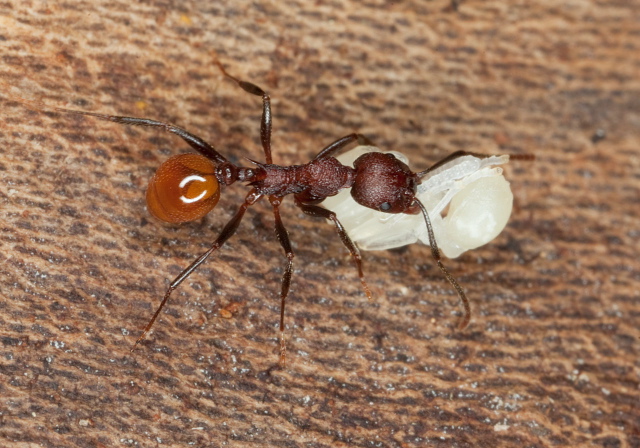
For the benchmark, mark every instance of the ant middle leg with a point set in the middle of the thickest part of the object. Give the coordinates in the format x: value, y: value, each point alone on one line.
x: 283, y: 238
x: 266, y: 121
x: 314, y: 210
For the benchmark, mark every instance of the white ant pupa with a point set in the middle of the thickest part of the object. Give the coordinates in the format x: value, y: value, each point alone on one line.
x: 468, y: 201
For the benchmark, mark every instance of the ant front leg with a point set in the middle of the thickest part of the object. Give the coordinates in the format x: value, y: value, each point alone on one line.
x: 341, y: 143
x: 229, y: 229
x: 314, y: 210
x: 283, y: 237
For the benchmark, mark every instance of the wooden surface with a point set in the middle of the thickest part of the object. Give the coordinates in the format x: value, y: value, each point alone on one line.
x: 551, y: 357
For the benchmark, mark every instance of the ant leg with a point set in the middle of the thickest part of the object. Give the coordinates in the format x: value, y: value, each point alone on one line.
x: 229, y: 229
x: 265, y: 127
x: 341, y: 143
x: 265, y: 122
x: 461, y: 153
x: 435, y: 253
x: 194, y: 141
x: 283, y: 237
x: 314, y: 210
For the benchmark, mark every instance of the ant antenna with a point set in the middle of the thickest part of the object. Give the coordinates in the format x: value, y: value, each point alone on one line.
x: 455, y: 155
x: 435, y: 253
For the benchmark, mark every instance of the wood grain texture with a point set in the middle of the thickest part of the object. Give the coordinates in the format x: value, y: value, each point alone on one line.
x: 551, y: 357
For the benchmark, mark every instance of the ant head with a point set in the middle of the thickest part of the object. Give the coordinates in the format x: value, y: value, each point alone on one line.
x: 384, y: 183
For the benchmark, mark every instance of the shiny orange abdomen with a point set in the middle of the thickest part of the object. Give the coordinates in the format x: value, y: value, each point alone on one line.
x: 183, y: 189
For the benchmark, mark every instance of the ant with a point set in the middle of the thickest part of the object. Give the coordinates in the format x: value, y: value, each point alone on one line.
x: 186, y: 187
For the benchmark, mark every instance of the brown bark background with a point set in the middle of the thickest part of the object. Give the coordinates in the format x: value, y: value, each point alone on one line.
x: 551, y: 357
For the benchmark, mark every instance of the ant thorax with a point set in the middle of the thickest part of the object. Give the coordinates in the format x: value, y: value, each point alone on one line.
x: 468, y: 200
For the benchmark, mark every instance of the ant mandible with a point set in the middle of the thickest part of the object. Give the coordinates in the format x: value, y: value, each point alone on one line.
x: 186, y: 187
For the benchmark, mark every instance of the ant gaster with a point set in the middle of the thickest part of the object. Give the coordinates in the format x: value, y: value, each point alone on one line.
x: 187, y: 186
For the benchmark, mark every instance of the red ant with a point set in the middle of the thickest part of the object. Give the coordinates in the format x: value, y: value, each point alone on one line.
x: 187, y: 187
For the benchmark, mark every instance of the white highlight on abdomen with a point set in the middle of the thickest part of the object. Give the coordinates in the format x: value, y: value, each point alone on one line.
x: 185, y: 181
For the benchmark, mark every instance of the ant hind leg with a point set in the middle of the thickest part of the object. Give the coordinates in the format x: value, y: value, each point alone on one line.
x: 193, y: 140
x: 228, y: 231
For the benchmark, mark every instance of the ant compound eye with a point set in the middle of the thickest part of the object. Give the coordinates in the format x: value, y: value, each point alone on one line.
x: 183, y: 189
x: 385, y: 207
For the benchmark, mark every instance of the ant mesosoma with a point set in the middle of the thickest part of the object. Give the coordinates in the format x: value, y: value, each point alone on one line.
x: 186, y: 187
